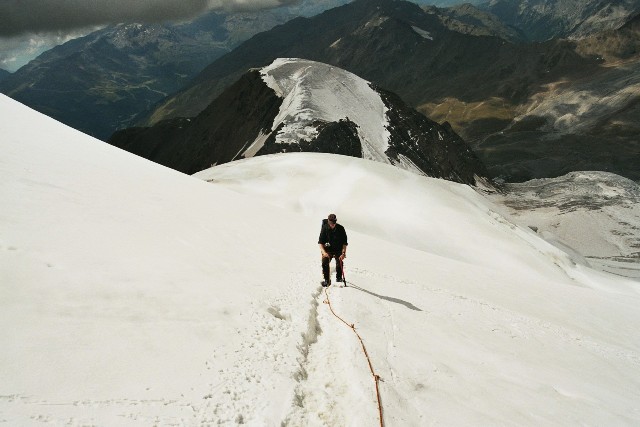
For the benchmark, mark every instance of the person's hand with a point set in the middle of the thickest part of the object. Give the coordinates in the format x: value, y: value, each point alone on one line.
x: 325, y: 254
x: 343, y: 256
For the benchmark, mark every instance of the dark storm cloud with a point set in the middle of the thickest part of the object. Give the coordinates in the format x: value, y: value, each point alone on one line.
x: 248, y: 5
x: 40, y: 16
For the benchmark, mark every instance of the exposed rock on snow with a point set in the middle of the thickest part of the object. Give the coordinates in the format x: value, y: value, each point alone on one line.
x: 425, y: 34
x: 317, y: 92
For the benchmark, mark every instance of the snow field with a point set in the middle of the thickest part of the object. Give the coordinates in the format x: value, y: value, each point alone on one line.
x: 124, y: 300
x: 487, y: 285
x: 400, y: 207
x: 131, y: 294
x: 447, y: 354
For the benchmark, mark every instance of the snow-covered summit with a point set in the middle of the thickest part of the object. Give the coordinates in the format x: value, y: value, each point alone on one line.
x: 315, y: 91
x: 296, y: 105
x: 131, y: 294
x: 385, y: 129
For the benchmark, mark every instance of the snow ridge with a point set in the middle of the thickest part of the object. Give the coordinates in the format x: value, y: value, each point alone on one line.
x: 316, y: 91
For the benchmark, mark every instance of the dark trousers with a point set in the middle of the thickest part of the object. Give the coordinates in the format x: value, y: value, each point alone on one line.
x: 325, y: 265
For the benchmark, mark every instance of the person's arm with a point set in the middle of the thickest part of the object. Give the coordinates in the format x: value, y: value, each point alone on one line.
x: 344, y: 246
x: 322, y: 251
x: 321, y: 241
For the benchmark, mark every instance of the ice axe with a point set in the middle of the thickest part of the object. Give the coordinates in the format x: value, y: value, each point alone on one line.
x: 344, y: 279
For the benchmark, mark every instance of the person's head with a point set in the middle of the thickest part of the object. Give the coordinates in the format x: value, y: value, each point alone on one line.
x: 332, y: 220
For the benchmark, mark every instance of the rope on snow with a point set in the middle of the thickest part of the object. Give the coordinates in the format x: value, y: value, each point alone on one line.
x: 376, y: 377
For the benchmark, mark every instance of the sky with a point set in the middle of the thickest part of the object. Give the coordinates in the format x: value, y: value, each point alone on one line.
x: 30, y: 27
x: 134, y: 295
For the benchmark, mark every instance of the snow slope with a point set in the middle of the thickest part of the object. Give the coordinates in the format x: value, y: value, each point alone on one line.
x: 131, y: 294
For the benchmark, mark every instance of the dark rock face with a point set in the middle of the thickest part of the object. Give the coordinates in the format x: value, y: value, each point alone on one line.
x: 158, y: 143
x: 217, y: 135
x: 247, y: 110
x: 526, y: 155
x: 435, y: 149
x: 339, y: 137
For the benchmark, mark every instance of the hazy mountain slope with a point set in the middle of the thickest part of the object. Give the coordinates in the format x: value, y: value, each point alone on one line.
x: 135, y: 295
x: 99, y: 82
x: 469, y: 19
x: 4, y: 74
x: 545, y: 19
x: 300, y: 105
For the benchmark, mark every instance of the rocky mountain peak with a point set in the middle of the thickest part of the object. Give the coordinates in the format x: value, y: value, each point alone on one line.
x: 127, y: 36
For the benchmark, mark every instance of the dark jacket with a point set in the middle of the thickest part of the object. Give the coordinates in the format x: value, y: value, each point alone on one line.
x: 335, y: 237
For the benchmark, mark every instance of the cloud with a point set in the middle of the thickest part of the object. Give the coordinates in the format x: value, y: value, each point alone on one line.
x: 249, y: 5
x: 18, y: 50
x: 44, y: 16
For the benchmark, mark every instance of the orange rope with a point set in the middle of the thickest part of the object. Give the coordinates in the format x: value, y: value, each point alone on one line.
x: 376, y: 377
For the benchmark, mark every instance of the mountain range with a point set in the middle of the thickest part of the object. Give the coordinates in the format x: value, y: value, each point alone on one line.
x: 436, y: 61
x: 482, y: 85
x: 540, y: 20
x: 587, y: 123
x: 100, y: 82
x: 298, y: 105
x: 470, y: 66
